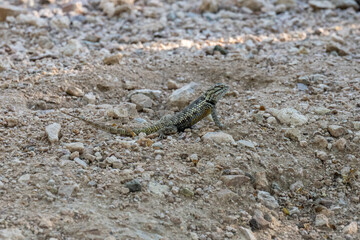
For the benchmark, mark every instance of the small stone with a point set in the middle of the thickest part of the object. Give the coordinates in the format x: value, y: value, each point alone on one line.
x: 153, y: 94
x: 249, y: 44
x: 289, y: 116
x: 158, y: 188
x: 288, y: 3
x: 321, y: 4
x: 133, y: 185
x: 229, y: 234
x: 90, y: 98
x: 76, y: 7
x: 11, y: 121
x: 118, y: 113
x: 321, y: 221
x: 226, y: 195
x: 74, y: 91
x: 9, y: 10
x: 254, y: 5
x: 258, y: 222
x: 356, y: 125
x: 74, y: 155
x: 60, y: 22
x: 11, y: 234
x: 322, y: 110
x: 194, y: 236
x: 24, y: 178
x: 186, y: 192
x: 296, y: 186
x: 246, y: 143
x: 334, y: 47
x: 351, y: 229
x: 112, y: 59
x: 246, y: 234
x: 336, y: 131
x: 218, y: 137
x: 53, y: 132
x: 293, y: 134
x: 343, y: 4
x: 271, y: 120
x: 320, y: 141
x: 209, y: 6
x: 142, y: 101
x: 32, y: 20
x: 321, y: 155
x: 72, y: 48
x: 340, y: 144
x: 76, y: 146
x: 303, y: 143
x: 80, y: 162
x: 261, y: 181
x: 66, y: 190
x: 171, y: 84
x: 1, y: 185
x: 183, y: 96
x: 268, y: 200
x: 235, y: 180
x: 194, y: 157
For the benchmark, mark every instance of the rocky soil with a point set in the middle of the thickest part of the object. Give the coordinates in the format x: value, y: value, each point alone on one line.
x: 285, y: 167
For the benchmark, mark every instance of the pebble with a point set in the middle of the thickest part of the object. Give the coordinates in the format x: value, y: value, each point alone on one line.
x: 194, y: 236
x: 72, y: 48
x: 343, y: 4
x: 112, y: 59
x: 31, y: 20
x: 336, y: 131
x: 340, y: 144
x: 321, y: 155
x: 186, y: 192
x: 80, y: 162
x: 209, y: 6
x: 321, y: 221
x: 293, y: 134
x: 74, y: 155
x: 142, y: 101
x: 60, y: 22
x: 246, y: 143
x: 74, y: 91
x: 235, y: 180
x: 67, y: 190
x: 158, y: 188
x: 75, y: 146
x: 356, y: 125
x: 351, y: 229
x: 218, y: 137
x: 183, y: 96
x: 133, y: 185
x: 246, y: 234
x: 24, y: 178
x: 258, y: 221
x: 90, y: 98
x: 296, y: 186
x: 271, y: 120
x: 322, y: 110
x: 288, y: 3
x: 9, y: 10
x: 320, y: 141
x: 321, y: 4
x: 1, y: 185
x: 53, y: 132
x: 289, y: 116
x: 118, y: 113
x: 335, y: 47
x: 268, y: 200
x: 11, y: 234
x: 261, y: 181
x: 153, y: 94
x: 171, y: 85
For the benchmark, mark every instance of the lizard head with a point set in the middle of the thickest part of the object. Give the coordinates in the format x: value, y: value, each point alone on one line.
x: 216, y: 92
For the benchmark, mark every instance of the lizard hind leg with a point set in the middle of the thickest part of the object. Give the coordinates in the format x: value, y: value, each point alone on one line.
x: 167, y: 131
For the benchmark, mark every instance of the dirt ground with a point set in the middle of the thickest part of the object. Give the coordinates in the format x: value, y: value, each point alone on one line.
x: 285, y: 167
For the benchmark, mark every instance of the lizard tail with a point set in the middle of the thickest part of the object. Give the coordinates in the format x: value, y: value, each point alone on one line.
x: 113, y: 130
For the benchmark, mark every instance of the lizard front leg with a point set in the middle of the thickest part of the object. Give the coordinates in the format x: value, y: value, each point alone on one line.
x: 167, y: 130
x: 216, y: 119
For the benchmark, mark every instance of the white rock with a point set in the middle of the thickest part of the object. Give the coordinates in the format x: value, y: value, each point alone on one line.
x: 72, y: 48
x: 1, y: 185
x: 321, y: 110
x: 158, y: 188
x: 356, y: 125
x: 182, y: 97
x: 246, y: 234
x: 75, y: 146
x: 293, y: 134
x: 80, y: 162
x: 289, y: 116
x: 345, y: 4
x: 246, y: 143
x: 288, y: 3
x: 255, y: 5
x: 31, y: 20
x: 60, y: 22
x: 296, y: 186
x: 53, y: 132
x: 153, y: 94
x: 116, y: 113
x: 142, y: 101
x: 352, y: 228
x: 11, y: 234
x: 90, y: 98
x: 66, y: 190
x: 24, y: 178
x: 218, y: 137
x: 336, y: 131
x: 321, y: 4
x: 321, y: 221
x: 268, y: 200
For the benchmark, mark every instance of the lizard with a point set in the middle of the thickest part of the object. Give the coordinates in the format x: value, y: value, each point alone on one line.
x: 200, y: 108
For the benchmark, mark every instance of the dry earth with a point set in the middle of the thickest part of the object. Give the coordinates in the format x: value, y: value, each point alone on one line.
x: 285, y: 167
